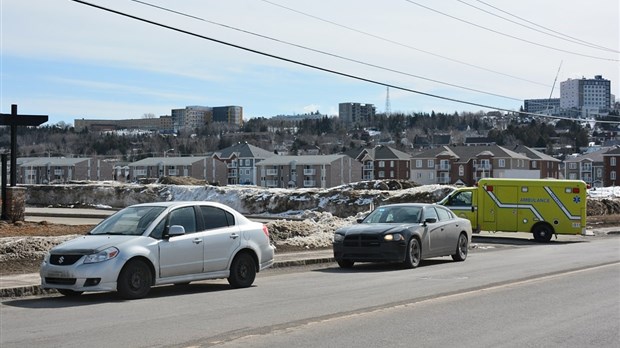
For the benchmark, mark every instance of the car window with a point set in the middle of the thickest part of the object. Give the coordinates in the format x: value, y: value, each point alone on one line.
x: 443, y: 214
x: 216, y: 218
x: 461, y: 199
x: 429, y: 212
x: 185, y: 217
x: 129, y: 221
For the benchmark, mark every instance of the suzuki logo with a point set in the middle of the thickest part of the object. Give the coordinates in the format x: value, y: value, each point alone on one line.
x: 61, y: 259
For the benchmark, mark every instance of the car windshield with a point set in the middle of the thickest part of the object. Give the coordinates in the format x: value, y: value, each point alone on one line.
x: 394, y: 215
x: 129, y: 221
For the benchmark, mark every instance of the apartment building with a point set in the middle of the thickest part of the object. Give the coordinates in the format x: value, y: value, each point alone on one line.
x: 383, y: 162
x: 157, y: 167
x: 241, y: 162
x: 321, y: 171
x: 611, y: 167
x: 465, y: 165
x: 356, y: 113
x: 591, y: 96
x: 587, y: 167
x: 51, y: 170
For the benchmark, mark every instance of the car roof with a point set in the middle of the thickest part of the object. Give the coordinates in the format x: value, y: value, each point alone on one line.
x: 178, y: 204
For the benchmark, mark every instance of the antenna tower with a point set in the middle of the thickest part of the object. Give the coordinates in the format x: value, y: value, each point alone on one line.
x: 387, y: 102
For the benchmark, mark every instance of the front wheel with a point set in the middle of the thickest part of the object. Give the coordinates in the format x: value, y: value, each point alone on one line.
x: 413, y: 254
x: 134, y: 281
x: 242, y: 271
x: 542, y: 233
x: 462, y: 246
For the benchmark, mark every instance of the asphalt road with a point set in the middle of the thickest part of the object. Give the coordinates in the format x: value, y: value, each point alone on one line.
x: 557, y: 294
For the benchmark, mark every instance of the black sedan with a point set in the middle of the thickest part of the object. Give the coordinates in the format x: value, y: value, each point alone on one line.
x: 404, y: 233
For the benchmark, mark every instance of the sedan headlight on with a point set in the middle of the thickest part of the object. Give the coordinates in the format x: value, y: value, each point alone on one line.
x: 393, y: 237
x: 101, y: 256
x: 338, y: 237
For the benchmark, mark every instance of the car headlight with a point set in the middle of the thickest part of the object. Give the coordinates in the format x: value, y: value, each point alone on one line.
x: 393, y: 237
x: 101, y: 256
x: 338, y: 237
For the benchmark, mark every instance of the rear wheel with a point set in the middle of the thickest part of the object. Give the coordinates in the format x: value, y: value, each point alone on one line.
x: 462, y: 246
x: 413, y: 254
x: 345, y: 263
x: 134, y: 281
x: 242, y: 271
x: 542, y: 233
x: 69, y: 293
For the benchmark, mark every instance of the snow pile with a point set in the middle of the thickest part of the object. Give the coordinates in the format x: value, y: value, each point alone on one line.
x: 315, y: 230
x: 19, y: 248
x: 604, y: 192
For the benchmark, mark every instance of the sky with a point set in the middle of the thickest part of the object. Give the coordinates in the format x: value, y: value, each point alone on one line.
x: 68, y: 60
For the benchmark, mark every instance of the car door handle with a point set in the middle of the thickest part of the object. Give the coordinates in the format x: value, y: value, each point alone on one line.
x: 197, y: 241
x: 234, y: 236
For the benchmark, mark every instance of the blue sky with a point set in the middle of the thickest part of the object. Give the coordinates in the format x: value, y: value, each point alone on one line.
x: 69, y: 61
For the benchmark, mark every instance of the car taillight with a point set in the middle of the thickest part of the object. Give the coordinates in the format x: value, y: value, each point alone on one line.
x: 265, y: 231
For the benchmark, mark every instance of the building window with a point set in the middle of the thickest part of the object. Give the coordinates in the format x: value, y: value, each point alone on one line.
x: 534, y: 164
x: 461, y: 170
x: 501, y: 163
x: 572, y: 165
x: 612, y: 175
x: 431, y: 163
x: 392, y: 164
x: 391, y: 173
x: 612, y: 161
x: 418, y: 163
x: 381, y: 174
x: 381, y: 164
x: 431, y: 175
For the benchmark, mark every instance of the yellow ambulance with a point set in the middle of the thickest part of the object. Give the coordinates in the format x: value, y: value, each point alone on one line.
x: 541, y: 206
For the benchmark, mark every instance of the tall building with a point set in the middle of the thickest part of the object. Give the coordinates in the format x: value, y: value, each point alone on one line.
x: 228, y: 114
x: 589, y: 96
x: 549, y: 106
x: 356, y: 113
x: 191, y: 117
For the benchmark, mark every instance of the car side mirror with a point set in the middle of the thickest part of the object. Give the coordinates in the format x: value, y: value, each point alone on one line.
x: 430, y: 221
x: 359, y: 220
x: 176, y: 230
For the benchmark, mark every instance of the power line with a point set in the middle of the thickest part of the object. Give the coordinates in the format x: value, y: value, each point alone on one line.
x: 327, y: 53
x: 545, y: 28
x: 402, y: 44
x: 508, y: 35
x: 335, y: 72
x: 538, y: 30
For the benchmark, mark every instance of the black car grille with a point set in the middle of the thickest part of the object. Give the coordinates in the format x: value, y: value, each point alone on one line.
x: 362, y: 240
x: 64, y: 260
x: 60, y: 281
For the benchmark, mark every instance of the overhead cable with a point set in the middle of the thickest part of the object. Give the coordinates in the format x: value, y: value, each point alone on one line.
x: 402, y: 44
x: 511, y: 36
x: 335, y: 72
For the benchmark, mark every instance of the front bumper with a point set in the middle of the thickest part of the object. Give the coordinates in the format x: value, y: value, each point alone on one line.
x: 379, y: 252
x: 101, y: 276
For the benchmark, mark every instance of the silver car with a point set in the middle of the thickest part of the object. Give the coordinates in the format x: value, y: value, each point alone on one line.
x: 160, y: 243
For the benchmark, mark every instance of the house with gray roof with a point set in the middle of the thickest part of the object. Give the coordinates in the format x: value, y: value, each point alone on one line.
x: 549, y: 166
x: 384, y: 162
x: 241, y: 162
x: 50, y: 170
x: 157, y: 167
x: 308, y: 171
x: 467, y: 164
x: 588, y: 167
x: 611, y: 167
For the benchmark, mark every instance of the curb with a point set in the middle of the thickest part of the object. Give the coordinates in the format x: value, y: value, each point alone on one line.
x: 33, y: 290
